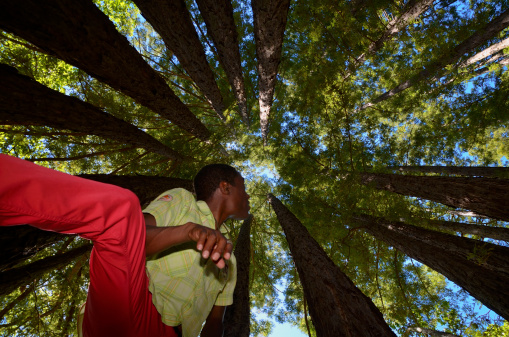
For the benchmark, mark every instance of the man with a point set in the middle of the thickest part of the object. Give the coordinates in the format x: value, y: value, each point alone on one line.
x: 187, y: 289
x: 119, y: 302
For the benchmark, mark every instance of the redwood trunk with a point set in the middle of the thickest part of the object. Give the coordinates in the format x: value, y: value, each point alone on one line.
x: 17, y: 277
x: 80, y: 34
x: 337, y: 307
x: 218, y: 16
x: 237, y: 316
x: 485, y: 196
x: 269, y: 20
x: 481, y: 268
x: 172, y: 20
x: 471, y: 171
x: 24, y: 101
x: 496, y: 233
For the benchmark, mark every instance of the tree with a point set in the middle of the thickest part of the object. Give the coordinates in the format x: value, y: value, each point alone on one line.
x: 337, y: 307
x: 483, y: 195
x: 237, y: 315
x: 269, y: 21
x: 99, y: 50
x: 478, y: 267
x: 172, y: 21
x: 319, y: 148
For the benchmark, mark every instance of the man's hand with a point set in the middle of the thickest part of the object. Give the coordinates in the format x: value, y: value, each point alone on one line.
x: 211, y: 243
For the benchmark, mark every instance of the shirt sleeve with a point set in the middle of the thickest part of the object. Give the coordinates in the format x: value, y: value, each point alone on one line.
x: 225, y: 297
x: 170, y: 207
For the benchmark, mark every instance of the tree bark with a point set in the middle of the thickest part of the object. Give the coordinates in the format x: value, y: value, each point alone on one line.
x: 486, y: 196
x: 486, y: 52
x: 269, y: 20
x: 472, y: 171
x: 24, y: 101
x: 17, y: 277
x: 237, y: 316
x: 496, y: 233
x: 172, y: 20
x: 477, y: 39
x: 218, y: 16
x: 146, y: 188
x: 337, y: 307
x: 481, y: 268
x: 80, y: 34
x: 18, y: 243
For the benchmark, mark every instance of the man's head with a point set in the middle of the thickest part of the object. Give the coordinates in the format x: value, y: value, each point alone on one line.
x: 223, y: 182
x: 208, y: 178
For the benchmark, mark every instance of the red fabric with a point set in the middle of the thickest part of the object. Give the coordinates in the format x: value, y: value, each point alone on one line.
x: 118, y: 303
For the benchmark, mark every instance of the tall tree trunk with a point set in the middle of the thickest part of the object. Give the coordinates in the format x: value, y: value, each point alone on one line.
x: 481, y: 268
x: 18, y: 243
x: 495, y: 48
x: 477, y: 39
x: 80, y: 34
x: 172, y: 20
x: 237, y: 316
x: 486, y: 196
x: 218, y: 16
x: 413, y: 9
x: 496, y: 233
x: 337, y: 307
x: 269, y: 21
x: 472, y: 171
x: 24, y: 101
x: 17, y: 277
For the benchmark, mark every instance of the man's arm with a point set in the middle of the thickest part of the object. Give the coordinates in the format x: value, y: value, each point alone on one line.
x: 214, y: 324
x: 209, y: 241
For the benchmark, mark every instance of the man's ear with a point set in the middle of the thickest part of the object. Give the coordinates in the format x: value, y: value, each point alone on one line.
x: 224, y: 187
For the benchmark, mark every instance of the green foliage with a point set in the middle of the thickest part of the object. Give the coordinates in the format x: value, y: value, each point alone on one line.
x: 318, y: 144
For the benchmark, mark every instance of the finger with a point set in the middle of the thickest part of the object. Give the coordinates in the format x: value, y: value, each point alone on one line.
x: 202, y: 237
x: 209, y: 243
x: 219, y: 248
x: 228, y: 250
x: 220, y: 263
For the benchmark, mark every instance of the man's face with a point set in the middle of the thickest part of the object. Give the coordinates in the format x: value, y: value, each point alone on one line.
x: 239, y: 199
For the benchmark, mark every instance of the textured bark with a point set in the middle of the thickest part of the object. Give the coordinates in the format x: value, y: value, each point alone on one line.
x: 496, y: 233
x: 413, y: 9
x: 481, y: 268
x: 18, y: 243
x: 218, y: 16
x: 477, y: 39
x: 17, y: 277
x: 24, y: 101
x: 486, y: 196
x: 172, y: 20
x: 337, y: 307
x: 146, y: 188
x: 269, y: 20
x: 487, y: 52
x: 80, y: 34
x: 491, y: 172
x: 237, y: 316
